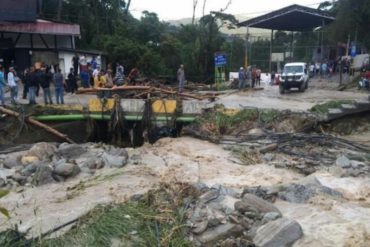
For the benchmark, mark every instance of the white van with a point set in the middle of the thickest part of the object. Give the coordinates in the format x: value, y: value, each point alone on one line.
x: 295, y: 75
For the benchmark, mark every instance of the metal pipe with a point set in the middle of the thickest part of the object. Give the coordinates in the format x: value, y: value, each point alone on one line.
x: 78, y: 117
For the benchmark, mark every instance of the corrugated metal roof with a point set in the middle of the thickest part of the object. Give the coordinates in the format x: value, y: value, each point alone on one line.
x: 41, y: 27
x: 291, y: 18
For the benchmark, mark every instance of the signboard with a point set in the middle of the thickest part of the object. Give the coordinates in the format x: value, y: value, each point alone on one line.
x: 277, y: 57
x: 220, y: 60
x: 18, y: 10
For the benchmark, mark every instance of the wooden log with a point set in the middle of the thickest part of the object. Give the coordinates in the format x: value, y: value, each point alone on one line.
x: 38, y: 124
x: 268, y: 148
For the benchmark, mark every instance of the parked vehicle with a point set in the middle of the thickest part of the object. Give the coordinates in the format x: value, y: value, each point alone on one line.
x: 295, y: 75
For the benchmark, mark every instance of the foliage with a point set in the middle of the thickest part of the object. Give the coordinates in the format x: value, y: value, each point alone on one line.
x: 155, y: 47
x: 3, y: 210
x: 324, y: 108
x: 352, y: 19
x: 224, y: 121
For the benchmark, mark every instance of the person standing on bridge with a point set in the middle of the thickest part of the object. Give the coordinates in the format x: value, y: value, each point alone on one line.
x: 13, y: 85
x: 34, y: 83
x: 2, y: 85
x: 59, y: 86
x: 181, y: 77
x: 46, y: 78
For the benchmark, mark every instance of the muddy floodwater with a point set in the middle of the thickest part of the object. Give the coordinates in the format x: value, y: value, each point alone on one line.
x: 325, y: 221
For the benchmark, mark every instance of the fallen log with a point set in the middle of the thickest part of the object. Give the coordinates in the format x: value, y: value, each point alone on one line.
x: 116, y: 88
x: 38, y: 124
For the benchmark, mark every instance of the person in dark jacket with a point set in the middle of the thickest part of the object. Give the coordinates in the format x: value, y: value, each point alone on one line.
x: 26, y: 82
x: 34, y: 83
x: 46, y: 78
x: 72, y: 82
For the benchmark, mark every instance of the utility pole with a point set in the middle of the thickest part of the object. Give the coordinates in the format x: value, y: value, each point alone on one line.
x: 246, y: 62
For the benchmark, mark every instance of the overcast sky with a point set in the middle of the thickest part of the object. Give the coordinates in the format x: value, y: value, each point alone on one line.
x: 178, y: 9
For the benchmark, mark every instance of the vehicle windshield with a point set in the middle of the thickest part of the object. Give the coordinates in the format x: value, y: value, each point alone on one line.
x: 293, y: 69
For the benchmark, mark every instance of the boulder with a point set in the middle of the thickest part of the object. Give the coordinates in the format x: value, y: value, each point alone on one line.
x: 118, y: 152
x: 210, y: 195
x: 243, y: 207
x: 70, y: 151
x: 213, y: 235
x: 343, y: 162
x: 199, y: 227
x: 29, y: 170
x: 89, y: 162
x: 300, y: 193
x: 2, y: 182
x: 42, y: 151
x: 12, y: 160
x: 66, y: 169
x: 270, y: 217
x: 114, y: 161
x: 43, y: 175
x: 19, y: 178
x: 279, y: 233
x: 215, y: 217
x: 29, y: 159
x: 261, y: 205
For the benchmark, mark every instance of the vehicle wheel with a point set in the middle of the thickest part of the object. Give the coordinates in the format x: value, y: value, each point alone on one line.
x: 281, y: 89
x: 302, y: 88
x: 306, y: 85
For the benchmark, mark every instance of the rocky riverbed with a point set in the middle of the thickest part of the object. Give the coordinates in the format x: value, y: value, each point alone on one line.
x: 277, y: 197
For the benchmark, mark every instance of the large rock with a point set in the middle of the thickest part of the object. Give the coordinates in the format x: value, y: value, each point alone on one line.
x: 114, y: 161
x: 12, y: 160
x: 343, y: 162
x: 66, y: 169
x: 70, y: 151
x: 243, y: 207
x: 42, y: 150
x: 2, y: 182
x: 29, y: 170
x: 118, y: 152
x: 300, y: 193
x: 29, y: 159
x: 213, y: 235
x: 43, y: 175
x: 261, y: 205
x: 279, y: 233
x: 19, y: 178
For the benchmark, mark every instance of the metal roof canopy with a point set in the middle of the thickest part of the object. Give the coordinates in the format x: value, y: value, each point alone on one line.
x: 291, y: 18
x: 41, y: 27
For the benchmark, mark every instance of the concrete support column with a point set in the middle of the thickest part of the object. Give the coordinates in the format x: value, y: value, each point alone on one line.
x: 271, y: 46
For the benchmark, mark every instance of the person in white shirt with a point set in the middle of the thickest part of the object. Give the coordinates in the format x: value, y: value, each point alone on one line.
x: 312, y: 70
x: 96, y: 72
x: 12, y: 83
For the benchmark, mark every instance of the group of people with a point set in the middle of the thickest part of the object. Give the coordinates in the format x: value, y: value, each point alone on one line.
x: 329, y: 68
x: 92, y: 74
x: 42, y: 76
x: 33, y: 78
x: 249, y: 77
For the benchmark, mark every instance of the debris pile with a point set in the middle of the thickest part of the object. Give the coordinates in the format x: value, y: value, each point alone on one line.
x: 222, y: 217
